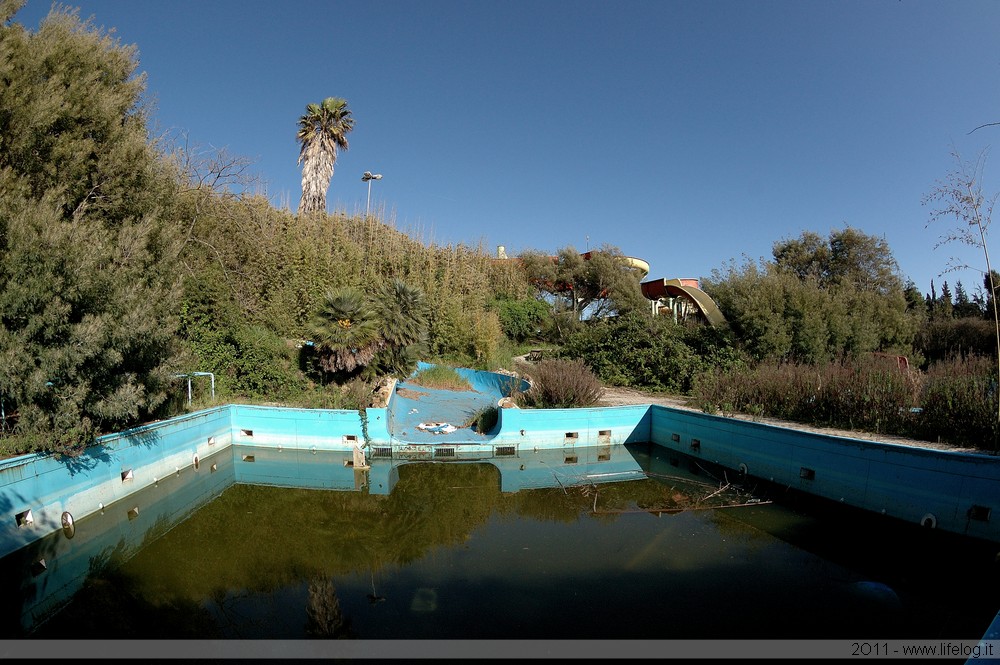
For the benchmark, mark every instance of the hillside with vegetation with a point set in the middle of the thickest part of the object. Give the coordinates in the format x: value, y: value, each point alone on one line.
x: 129, y: 261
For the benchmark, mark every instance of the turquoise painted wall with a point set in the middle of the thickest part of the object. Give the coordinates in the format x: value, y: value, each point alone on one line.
x: 117, y: 467
x: 323, y: 429
x: 959, y: 492
x: 56, y: 566
x: 582, y: 427
x: 40, y: 487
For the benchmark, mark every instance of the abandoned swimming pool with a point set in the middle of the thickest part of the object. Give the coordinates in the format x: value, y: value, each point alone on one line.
x: 145, y: 485
x: 626, y: 542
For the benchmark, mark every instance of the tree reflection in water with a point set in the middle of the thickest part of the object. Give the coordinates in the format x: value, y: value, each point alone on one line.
x: 577, y: 557
x: 324, y: 617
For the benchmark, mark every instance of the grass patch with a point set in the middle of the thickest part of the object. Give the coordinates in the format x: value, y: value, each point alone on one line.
x: 484, y: 420
x: 441, y: 377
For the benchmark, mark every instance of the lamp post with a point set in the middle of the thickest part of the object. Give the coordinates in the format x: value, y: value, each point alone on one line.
x: 368, y: 176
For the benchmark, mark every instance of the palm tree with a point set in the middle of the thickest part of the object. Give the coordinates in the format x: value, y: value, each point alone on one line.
x: 322, y: 130
x: 402, y: 311
x: 346, y: 331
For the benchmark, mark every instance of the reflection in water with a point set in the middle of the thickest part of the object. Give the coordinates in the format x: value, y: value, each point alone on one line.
x: 674, y: 551
x: 324, y: 618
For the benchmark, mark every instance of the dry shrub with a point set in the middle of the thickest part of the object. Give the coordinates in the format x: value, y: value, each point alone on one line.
x: 484, y: 420
x: 871, y: 394
x: 959, y: 402
x: 560, y: 384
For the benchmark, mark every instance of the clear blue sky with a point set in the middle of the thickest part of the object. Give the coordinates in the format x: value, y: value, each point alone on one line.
x: 686, y: 133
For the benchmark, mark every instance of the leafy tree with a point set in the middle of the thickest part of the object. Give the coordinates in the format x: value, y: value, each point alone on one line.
x: 322, y: 130
x: 807, y: 256
x: 753, y: 302
x: 848, y: 256
x: 778, y: 315
x: 523, y: 318
x: 593, y: 286
x: 88, y: 237
x: 915, y: 303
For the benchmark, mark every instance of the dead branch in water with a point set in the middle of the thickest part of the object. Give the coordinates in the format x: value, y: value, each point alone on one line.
x: 673, y: 511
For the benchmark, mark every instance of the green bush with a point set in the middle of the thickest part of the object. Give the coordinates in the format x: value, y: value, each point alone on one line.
x: 637, y: 351
x: 522, y: 319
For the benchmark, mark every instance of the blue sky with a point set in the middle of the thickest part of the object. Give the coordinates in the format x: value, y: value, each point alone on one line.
x: 686, y: 133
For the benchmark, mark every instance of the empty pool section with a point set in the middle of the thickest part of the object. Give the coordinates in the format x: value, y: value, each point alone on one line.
x: 361, y: 451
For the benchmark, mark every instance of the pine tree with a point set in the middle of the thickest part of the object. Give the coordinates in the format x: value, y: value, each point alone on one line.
x: 964, y: 306
x: 945, y: 307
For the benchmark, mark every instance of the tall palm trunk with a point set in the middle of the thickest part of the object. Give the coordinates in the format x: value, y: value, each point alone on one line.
x: 322, y: 129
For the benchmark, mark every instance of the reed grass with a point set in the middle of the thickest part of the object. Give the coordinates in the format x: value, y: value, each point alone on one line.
x: 954, y: 401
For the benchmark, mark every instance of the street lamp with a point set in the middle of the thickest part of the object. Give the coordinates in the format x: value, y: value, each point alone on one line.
x: 368, y: 176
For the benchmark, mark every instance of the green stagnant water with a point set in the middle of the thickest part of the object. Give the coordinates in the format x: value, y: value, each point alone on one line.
x: 684, y: 552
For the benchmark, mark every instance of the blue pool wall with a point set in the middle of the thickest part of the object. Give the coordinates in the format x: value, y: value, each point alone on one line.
x: 548, y: 428
x: 117, y: 466
x: 273, y: 445
x: 128, y: 524
x: 121, y: 464
x: 956, y: 490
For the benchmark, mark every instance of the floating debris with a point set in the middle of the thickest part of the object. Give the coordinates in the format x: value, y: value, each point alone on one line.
x: 437, y: 428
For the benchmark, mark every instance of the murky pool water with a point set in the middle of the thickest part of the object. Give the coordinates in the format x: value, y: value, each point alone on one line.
x: 679, y: 553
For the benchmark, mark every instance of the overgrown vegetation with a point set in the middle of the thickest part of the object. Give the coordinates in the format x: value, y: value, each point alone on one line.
x: 871, y: 393
x: 127, y: 263
x: 88, y: 239
x: 959, y: 402
x: 953, y: 402
x: 484, y: 420
x: 440, y: 376
x: 653, y: 353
